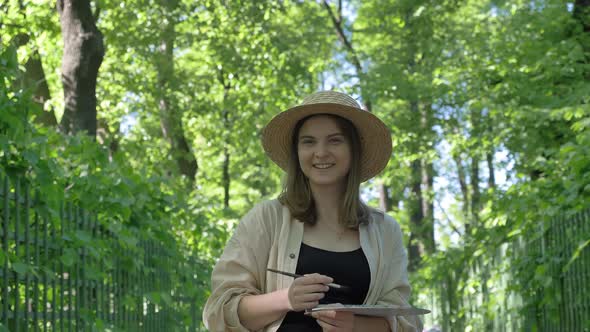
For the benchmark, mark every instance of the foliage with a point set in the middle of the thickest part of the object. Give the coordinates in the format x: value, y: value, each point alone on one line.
x: 136, y: 208
x: 493, y: 94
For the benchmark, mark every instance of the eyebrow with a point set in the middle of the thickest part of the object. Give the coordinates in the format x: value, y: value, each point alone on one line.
x: 329, y: 136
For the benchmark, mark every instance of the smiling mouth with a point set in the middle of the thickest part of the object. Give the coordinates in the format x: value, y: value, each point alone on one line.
x: 323, y: 166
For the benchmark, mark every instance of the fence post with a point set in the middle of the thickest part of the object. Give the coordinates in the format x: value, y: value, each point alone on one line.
x: 16, y: 253
x: 37, y: 263
x: 5, y: 231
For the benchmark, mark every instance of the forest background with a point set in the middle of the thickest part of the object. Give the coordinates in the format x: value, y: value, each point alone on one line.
x: 148, y: 113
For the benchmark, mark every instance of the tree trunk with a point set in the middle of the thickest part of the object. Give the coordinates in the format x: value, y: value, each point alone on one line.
x: 384, y: 199
x: 226, y: 157
x: 416, y: 248
x: 464, y: 190
x: 582, y: 14
x: 422, y: 178
x: 226, y: 177
x: 421, y: 205
x: 34, y: 79
x: 427, y: 182
x: 475, y: 191
x: 490, y: 152
x: 83, y: 54
x: 428, y: 205
x: 170, y: 117
x: 491, y: 175
x: 227, y: 126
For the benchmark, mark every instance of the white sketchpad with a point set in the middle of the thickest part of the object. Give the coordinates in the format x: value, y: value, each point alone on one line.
x: 372, y: 310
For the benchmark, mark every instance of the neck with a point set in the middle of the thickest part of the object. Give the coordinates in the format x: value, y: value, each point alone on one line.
x: 327, y: 202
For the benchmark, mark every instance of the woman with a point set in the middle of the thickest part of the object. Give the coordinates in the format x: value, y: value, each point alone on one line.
x: 318, y: 228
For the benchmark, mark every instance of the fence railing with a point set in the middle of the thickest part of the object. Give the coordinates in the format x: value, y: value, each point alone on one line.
x: 493, y: 296
x: 564, y: 238
x: 66, y: 271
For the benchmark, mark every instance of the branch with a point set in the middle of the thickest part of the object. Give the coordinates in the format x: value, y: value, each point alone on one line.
x: 96, y: 13
x: 450, y: 223
x: 221, y: 78
x: 338, y: 26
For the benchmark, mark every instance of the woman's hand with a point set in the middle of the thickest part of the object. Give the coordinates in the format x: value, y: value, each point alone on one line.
x: 306, y: 292
x: 335, y: 321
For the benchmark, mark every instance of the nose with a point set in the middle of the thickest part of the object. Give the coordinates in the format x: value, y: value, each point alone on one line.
x: 321, y: 150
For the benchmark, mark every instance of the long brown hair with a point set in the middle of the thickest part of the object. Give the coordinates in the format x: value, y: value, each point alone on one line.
x: 297, y: 195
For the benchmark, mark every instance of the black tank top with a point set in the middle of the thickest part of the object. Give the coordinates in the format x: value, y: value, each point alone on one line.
x: 349, y: 268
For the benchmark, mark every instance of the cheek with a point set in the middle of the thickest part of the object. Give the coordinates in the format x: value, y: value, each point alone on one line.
x: 348, y: 159
x: 346, y: 155
x: 302, y: 156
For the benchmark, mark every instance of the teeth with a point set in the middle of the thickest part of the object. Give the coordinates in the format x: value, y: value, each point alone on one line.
x: 322, y: 166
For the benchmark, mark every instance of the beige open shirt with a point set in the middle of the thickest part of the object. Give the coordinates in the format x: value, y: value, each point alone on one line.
x: 267, y: 237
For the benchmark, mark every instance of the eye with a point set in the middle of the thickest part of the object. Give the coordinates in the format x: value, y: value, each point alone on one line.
x: 306, y: 141
x: 336, y: 140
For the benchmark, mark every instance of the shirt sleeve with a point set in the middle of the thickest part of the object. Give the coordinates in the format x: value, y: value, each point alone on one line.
x: 396, y: 290
x: 237, y: 273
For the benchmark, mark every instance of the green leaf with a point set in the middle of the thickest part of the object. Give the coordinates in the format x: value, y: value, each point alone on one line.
x: 83, y: 236
x: 153, y: 297
x: 576, y: 254
x: 167, y: 299
x: 69, y: 257
x: 20, y: 268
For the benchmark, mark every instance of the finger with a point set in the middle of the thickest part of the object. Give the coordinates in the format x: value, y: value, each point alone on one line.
x: 336, y: 318
x: 325, y: 326
x: 336, y: 314
x: 311, y: 297
x: 330, y: 321
x: 316, y: 278
x: 326, y: 314
x: 307, y: 289
x: 305, y: 305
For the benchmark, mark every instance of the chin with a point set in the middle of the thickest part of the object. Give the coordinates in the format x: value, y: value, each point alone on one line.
x: 327, y: 182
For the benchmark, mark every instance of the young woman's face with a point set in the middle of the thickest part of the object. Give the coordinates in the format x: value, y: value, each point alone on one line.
x: 323, y: 151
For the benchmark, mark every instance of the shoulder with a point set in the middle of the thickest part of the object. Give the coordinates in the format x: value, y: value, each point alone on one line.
x: 259, y: 223
x: 383, y: 221
x: 264, y: 213
x: 388, y: 231
x: 267, y: 207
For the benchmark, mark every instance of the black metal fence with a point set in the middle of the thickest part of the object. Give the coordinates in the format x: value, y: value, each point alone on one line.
x: 66, y: 271
x: 536, y: 283
x: 564, y: 249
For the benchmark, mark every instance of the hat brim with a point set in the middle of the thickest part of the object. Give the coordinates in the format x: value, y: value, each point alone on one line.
x: 375, y: 137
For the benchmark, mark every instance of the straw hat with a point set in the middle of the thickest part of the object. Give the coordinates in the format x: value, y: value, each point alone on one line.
x: 374, y: 136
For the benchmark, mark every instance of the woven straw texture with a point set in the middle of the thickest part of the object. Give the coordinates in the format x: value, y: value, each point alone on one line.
x: 374, y: 135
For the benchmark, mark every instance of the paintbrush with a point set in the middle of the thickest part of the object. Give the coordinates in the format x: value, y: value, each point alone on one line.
x: 294, y: 275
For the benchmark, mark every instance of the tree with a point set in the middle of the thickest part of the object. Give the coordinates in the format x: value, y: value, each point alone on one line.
x: 385, y: 201
x: 401, y: 83
x: 170, y: 115
x: 34, y: 78
x: 22, y: 26
x: 83, y: 54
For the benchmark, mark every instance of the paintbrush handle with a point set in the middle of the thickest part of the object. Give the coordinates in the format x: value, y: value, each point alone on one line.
x: 294, y: 275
